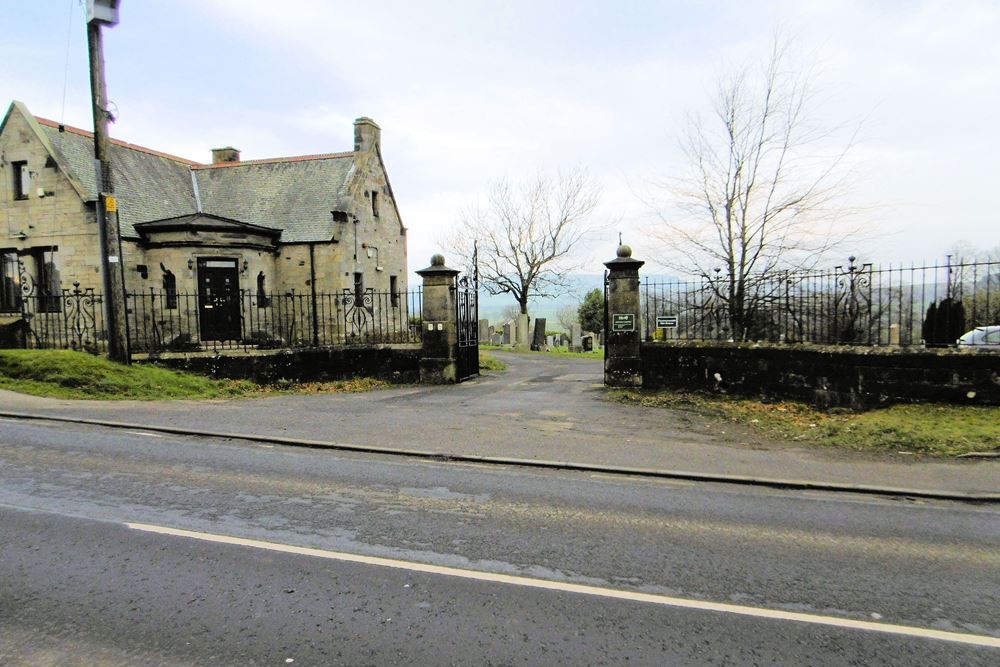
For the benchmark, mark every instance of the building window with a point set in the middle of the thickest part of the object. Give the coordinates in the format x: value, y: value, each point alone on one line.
x: 374, y: 203
x: 169, y: 288
x: 263, y: 301
x: 10, y: 282
x: 359, y: 287
x: 394, y: 291
x: 47, y: 283
x: 22, y: 179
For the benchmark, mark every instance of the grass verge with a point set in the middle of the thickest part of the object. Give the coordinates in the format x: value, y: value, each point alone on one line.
x: 487, y: 362
x: 929, y: 429
x: 555, y: 351
x: 76, y: 375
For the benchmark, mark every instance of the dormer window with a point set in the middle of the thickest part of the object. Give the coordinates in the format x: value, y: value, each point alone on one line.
x: 22, y: 179
x: 374, y: 203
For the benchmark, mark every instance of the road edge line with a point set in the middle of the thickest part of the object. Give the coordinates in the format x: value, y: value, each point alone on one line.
x: 768, y: 613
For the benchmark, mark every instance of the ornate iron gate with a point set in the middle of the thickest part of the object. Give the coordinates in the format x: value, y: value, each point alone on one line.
x: 467, y: 316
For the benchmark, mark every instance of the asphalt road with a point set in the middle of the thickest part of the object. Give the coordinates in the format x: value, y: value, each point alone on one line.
x: 80, y: 584
x: 542, y: 407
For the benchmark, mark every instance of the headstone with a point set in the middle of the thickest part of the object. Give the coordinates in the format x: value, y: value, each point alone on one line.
x: 587, y: 343
x: 550, y: 341
x: 496, y: 339
x: 575, y: 341
x: 894, y: 335
x: 521, y: 331
x: 508, y: 334
x: 484, y: 330
x: 538, y: 339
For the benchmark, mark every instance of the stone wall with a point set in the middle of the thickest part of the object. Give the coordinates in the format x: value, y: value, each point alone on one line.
x: 397, y: 363
x: 826, y: 376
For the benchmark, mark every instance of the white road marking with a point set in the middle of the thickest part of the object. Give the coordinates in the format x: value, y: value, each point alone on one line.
x: 562, y: 586
x: 151, y: 435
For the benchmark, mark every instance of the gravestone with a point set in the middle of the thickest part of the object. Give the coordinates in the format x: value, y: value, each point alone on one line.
x: 538, y: 340
x: 484, y: 330
x: 575, y: 342
x: 508, y: 334
x: 587, y: 343
x: 521, y: 331
x: 496, y: 339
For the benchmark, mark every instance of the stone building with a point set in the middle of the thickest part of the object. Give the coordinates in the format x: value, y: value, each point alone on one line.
x: 209, y: 247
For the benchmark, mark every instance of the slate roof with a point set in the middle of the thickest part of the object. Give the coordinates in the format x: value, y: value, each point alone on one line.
x: 294, y: 195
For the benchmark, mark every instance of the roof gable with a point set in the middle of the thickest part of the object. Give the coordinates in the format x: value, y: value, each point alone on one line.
x: 64, y: 168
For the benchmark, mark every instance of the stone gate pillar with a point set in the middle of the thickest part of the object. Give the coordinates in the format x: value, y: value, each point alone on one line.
x: 440, y: 327
x: 622, y: 362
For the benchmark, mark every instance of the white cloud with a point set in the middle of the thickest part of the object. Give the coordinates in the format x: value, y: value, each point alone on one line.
x: 467, y: 92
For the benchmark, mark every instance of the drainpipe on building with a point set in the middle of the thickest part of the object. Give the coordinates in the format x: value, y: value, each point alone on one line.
x: 312, y: 285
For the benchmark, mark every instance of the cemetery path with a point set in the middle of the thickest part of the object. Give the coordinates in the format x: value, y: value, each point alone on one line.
x: 543, y: 407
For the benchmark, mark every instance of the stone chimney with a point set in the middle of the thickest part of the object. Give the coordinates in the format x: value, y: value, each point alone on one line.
x: 367, y: 135
x: 227, y: 154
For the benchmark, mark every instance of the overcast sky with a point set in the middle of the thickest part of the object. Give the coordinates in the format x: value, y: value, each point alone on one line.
x: 469, y: 91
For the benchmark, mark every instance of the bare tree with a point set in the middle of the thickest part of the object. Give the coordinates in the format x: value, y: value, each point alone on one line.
x: 527, y: 232
x: 509, y: 312
x: 763, y: 193
x: 567, y: 316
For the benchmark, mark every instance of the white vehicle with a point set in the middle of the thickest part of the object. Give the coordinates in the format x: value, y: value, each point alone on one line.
x: 981, y: 337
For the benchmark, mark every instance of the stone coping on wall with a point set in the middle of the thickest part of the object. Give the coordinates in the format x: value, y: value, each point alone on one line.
x: 239, y: 352
x: 829, y: 348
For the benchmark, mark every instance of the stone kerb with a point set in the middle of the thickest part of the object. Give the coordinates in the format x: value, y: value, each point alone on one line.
x: 440, y: 328
x: 622, y: 360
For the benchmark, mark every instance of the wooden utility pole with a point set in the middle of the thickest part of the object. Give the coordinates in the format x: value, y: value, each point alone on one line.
x: 101, y: 12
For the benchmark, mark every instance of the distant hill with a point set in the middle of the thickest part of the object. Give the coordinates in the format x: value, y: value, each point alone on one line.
x: 491, y: 307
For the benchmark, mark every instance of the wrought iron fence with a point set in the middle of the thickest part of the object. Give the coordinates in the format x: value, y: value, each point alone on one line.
x: 72, y: 319
x: 855, y: 304
x: 169, y: 321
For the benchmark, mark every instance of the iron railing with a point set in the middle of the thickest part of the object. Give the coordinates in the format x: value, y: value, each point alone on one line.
x: 855, y: 304
x: 73, y: 319
x: 167, y: 321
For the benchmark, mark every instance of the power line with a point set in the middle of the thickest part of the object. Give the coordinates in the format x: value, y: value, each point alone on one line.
x: 69, y: 40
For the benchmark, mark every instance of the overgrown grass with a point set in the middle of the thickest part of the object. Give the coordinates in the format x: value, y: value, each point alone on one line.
x: 76, y: 375
x: 931, y: 429
x: 557, y: 351
x: 487, y: 362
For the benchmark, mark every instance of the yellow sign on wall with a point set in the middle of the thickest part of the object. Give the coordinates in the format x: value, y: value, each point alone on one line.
x: 110, y: 204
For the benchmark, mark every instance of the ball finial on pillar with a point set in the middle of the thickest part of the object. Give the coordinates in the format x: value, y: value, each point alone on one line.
x: 437, y: 259
x: 624, y: 251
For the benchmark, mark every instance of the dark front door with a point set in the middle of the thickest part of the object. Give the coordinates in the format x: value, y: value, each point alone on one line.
x: 218, y: 299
